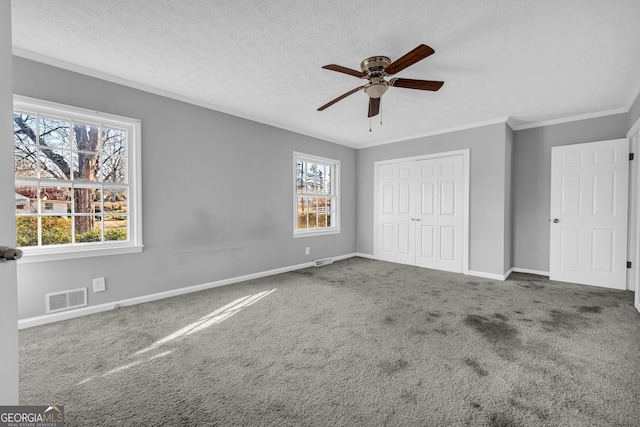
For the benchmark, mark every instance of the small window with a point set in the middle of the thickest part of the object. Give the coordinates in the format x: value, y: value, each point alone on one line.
x: 316, y: 190
x: 77, y: 181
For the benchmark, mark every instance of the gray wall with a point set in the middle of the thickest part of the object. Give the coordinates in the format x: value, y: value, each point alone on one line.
x: 216, y: 195
x: 532, y: 181
x: 488, y: 192
x: 634, y: 112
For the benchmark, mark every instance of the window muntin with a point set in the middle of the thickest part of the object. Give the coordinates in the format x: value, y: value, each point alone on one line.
x: 316, y: 195
x: 76, y: 181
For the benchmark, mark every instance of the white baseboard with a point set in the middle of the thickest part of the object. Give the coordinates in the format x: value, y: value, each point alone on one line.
x: 56, y: 317
x: 501, y: 277
x: 506, y: 275
x: 362, y: 255
x: 526, y: 270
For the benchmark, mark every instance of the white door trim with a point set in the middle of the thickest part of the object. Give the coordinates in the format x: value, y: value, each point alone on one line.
x: 635, y: 188
x: 465, y: 166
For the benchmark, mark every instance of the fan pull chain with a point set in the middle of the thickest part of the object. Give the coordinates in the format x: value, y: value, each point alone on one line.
x: 369, y: 124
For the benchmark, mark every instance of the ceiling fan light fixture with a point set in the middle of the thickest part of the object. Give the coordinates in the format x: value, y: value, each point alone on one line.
x: 376, y: 90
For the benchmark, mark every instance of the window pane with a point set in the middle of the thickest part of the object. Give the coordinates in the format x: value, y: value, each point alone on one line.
x: 56, y: 230
x: 299, y: 177
x: 327, y: 187
x: 85, y: 166
x: 25, y: 161
x: 115, y: 227
x: 91, y: 231
x: 115, y: 200
x: 312, y: 204
x: 321, y: 174
x: 86, y: 200
x: 86, y: 137
x: 26, y: 231
x: 26, y: 199
x: 322, y: 220
x: 55, y: 200
x: 114, y: 169
x: 302, y: 213
x: 54, y: 133
x: 24, y: 128
x: 54, y: 164
x: 114, y: 141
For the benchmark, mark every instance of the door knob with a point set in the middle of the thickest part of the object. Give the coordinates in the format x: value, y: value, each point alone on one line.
x: 10, y: 254
x: 555, y: 220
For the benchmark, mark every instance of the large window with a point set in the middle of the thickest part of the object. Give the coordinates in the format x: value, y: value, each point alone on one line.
x: 76, y: 181
x: 316, y: 204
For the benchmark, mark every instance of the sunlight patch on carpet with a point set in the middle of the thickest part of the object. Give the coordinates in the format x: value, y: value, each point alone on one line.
x: 128, y: 366
x: 210, y: 319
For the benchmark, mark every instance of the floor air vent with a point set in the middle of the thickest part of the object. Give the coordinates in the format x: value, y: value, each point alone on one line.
x: 66, y: 300
x: 322, y: 261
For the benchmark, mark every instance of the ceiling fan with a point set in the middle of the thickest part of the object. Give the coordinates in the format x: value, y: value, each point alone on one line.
x: 376, y: 68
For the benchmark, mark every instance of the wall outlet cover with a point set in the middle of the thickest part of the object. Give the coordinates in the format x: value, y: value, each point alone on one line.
x: 99, y: 284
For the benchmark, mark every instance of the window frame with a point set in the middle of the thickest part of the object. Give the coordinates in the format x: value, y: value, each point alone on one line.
x: 335, y: 195
x: 134, y: 206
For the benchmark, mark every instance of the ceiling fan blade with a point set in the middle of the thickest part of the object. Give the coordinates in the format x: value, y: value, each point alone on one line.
x: 345, y: 70
x: 416, y: 84
x: 374, y: 107
x: 330, y: 103
x: 417, y: 54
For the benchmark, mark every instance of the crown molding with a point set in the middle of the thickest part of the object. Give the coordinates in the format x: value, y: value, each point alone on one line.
x: 510, y: 121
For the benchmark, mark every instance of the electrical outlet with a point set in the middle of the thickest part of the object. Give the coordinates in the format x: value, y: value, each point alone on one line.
x: 99, y: 284
x: 307, y: 251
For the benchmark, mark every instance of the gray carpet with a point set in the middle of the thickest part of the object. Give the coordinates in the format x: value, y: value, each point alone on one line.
x: 356, y: 343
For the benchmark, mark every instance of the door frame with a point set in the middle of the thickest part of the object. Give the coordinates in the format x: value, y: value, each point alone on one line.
x: 635, y: 190
x: 9, y: 353
x: 465, y: 153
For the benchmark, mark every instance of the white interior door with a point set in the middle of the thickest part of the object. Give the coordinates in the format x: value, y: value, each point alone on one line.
x: 439, y: 213
x: 589, y: 195
x: 8, y: 281
x: 396, y: 228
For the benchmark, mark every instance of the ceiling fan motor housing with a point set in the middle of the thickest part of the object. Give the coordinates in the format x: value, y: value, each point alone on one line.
x: 374, y: 67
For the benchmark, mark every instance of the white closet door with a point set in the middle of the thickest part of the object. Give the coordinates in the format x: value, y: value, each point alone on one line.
x: 439, y: 213
x: 395, y: 213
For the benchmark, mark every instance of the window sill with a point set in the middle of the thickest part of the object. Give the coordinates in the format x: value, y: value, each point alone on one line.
x: 297, y: 234
x: 32, y: 256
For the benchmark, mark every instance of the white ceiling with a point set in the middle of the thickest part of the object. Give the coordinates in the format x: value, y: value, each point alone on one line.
x: 535, y: 61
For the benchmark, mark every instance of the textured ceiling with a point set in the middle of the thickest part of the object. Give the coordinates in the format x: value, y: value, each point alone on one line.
x: 535, y: 61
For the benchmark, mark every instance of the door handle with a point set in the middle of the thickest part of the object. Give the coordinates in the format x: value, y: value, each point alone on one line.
x: 9, y: 254
x: 555, y: 220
